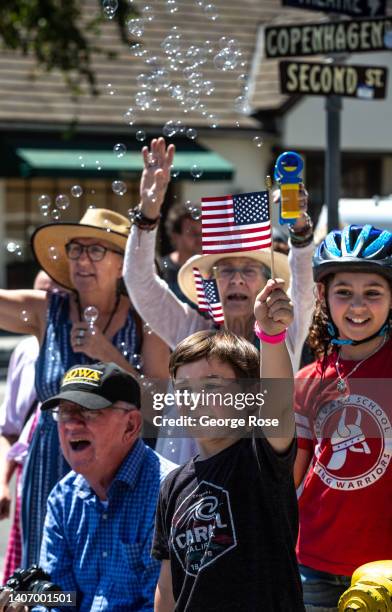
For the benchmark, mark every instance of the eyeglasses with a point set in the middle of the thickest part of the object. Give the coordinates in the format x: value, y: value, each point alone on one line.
x: 61, y: 414
x: 95, y: 252
x: 248, y: 273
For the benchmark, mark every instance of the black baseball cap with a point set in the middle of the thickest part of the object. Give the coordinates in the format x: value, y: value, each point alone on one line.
x: 96, y: 386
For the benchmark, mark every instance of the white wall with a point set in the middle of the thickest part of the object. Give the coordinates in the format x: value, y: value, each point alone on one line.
x: 250, y: 164
x: 366, y: 125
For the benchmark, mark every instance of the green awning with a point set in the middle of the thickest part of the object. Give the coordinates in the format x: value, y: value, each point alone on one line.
x: 78, y: 162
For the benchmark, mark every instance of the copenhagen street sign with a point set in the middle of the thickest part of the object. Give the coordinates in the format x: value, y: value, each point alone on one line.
x: 353, y: 81
x: 354, y: 36
x: 355, y: 8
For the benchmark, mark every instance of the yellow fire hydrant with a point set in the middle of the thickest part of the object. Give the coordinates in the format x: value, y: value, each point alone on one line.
x: 370, y: 590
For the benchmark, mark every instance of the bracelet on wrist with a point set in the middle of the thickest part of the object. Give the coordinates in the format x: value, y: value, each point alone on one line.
x: 141, y: 221
x: 269, y: 338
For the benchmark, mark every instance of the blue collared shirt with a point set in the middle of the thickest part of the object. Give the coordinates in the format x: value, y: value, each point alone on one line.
x: 103, y: 553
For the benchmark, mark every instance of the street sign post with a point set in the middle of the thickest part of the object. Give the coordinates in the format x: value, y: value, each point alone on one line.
x: 355, y: 8
x: 313, y: 78
x: 354, y: 36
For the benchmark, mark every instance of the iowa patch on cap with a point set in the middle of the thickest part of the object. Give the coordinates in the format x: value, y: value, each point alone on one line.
x: 88, y: 376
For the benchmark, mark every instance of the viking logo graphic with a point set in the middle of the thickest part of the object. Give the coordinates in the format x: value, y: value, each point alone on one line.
x: 346, y: 438
x: 354, y: 442
x: 202, y: 528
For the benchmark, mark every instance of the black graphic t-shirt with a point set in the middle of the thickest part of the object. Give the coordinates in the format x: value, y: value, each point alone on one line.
x: 229, y: 526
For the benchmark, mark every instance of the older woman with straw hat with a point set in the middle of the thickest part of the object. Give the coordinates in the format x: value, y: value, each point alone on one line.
x: 86, y: 259
x: 239, y: 276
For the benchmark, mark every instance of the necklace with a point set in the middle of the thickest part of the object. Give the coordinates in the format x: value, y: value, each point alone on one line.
x: 342, y: 385
x: 114, y: 310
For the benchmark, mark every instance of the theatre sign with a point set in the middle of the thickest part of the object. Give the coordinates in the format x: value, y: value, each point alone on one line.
x: 355, y: 8
x: 354, y: 36
x: 311, y: 78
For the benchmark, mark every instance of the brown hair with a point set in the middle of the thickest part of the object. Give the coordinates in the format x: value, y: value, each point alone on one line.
x: 223, y: 345
x: 319, y: 339
x: 175, y: 218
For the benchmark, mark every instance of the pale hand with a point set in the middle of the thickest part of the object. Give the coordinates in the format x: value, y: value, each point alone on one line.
x: 91, y: 344
x: 273, y: 308
x: 158, y: 160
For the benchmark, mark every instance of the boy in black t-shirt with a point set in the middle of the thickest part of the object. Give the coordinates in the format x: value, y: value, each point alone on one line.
x: 227, y: 521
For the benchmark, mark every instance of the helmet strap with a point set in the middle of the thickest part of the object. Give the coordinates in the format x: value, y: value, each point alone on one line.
x: 334, y: 332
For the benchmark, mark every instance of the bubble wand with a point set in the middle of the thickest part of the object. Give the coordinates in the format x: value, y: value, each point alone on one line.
x: 268, y: 184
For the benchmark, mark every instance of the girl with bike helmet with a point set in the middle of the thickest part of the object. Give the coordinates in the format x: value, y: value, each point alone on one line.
x: 344, y: 416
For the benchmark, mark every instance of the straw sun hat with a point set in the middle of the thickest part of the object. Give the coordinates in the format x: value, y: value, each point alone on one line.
x: 48, y: 241
x: 205, y: 262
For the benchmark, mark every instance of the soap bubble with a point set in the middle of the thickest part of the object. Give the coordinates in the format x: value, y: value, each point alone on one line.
x: 137, y: 361
x: 62, y: 201
x: 196, y: 171
x: 53, y: 253
x: 147, y: 329
x: 143, y: 99
x: 12, y: 246
x: 98, y: 164
x: 196, y: 213
x: 174, y: 172
x: 143, y: 80
x: 44, y: 200
x: 241, y: 105
x: 124, y: 349
x: 129, y: 116
x: 211, y: 12
x: 152, y: 162
x: 109, y: 89
x: 140, y: 135
x: 119, y: 188
x: 258, y: 141
x: 191, y: 133
x: 109, y: 8
x: 147, y: 12
x: 24, y: 315
x: 208, y: 87
x: 55, y: 214
x: 135, y: 27
x: 119, y: 149
x: 90, y: 315
x: 169, y: 129
x: 76, y: 191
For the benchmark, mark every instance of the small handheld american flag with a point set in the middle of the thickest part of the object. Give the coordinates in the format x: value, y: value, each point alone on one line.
x: 208, y: 297
x: 236, y: 223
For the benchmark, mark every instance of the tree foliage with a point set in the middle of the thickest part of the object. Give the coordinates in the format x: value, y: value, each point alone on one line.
x: 60, y: 35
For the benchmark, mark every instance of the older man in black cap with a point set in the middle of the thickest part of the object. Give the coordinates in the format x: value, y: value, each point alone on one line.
x: 99, y: 523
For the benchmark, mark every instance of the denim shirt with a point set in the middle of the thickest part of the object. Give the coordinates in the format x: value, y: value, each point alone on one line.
x: 102, y: 550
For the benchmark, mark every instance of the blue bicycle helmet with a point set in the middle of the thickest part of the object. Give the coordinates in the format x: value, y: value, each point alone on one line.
x: 357, y: 248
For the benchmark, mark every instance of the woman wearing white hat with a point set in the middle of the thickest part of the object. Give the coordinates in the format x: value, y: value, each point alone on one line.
x: 86, y: 259
x: 239, y: 277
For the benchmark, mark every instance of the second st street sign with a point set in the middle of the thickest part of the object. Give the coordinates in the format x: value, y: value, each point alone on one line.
x: 356, y: 36
x: 311, y: 78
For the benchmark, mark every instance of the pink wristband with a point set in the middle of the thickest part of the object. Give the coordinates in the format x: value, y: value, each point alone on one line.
x: 270, y: 339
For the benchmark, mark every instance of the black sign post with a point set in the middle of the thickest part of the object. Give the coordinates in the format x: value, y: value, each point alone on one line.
x: 354, y: 8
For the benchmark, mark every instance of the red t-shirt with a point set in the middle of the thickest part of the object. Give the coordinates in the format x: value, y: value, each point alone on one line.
x: 346, y: 500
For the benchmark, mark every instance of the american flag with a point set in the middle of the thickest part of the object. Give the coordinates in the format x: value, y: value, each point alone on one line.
x: 236, y: 223
x: 208, y: 297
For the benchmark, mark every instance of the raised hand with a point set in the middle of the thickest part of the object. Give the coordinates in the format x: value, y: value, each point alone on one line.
x: 158, y: 160
x: 273, y: 308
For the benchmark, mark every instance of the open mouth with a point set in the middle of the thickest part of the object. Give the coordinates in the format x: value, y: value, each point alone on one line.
x: 79, y: 445
x: 357, y: 321
x: 237, y: 297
